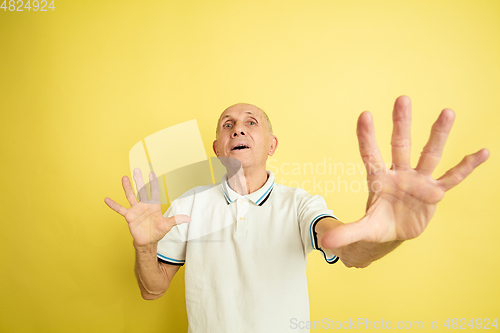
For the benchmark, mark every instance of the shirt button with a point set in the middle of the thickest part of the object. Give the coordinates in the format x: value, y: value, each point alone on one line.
x: 240, y: 200
x: 242, y: 218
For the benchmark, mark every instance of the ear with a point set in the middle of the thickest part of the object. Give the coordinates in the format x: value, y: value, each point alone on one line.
x: 274, y: 145
x: 214, y: 147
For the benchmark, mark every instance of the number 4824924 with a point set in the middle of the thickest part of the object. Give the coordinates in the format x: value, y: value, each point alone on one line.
x: 20, y: 6
x: 477, y: 323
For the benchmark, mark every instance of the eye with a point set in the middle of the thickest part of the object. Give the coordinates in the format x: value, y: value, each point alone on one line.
x: 251, y: 122
x: 226, y: 125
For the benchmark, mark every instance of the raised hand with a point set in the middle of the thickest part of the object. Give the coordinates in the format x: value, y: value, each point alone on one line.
x: 145, y: 220
x: 402, y: 200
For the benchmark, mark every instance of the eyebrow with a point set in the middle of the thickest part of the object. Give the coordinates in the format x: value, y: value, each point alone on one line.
x: 228, y: 116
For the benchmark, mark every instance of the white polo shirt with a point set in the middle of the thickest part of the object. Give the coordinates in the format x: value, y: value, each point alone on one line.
x: 245, y: 256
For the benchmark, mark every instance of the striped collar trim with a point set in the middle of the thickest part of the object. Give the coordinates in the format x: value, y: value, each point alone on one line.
x: 258, y: 197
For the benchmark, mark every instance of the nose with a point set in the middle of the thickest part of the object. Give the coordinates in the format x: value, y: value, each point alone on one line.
x: 236, y: 133
x: 238, y: 130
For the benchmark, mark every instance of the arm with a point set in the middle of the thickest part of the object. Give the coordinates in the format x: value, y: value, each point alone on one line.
x: 359, y: 254
x: 402, y: 200
x: 147, y: 227
x: 153, y: 277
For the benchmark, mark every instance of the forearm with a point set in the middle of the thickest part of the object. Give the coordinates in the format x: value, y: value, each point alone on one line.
x: 359, y: 254
x: 151, y: 276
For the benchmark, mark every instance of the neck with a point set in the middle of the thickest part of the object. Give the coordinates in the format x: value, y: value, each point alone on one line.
x: 244, y: 181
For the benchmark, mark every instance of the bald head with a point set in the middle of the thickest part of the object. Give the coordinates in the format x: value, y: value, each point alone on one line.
x: 244, y: 133
x: 249, y: 108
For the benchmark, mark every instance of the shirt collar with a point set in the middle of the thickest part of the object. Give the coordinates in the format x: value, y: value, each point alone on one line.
x: 258, y: 197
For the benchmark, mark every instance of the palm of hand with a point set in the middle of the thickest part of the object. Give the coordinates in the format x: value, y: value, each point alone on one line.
x: 145, y: 223
x: 402, y: 205
x: 145, y: 220
x: 402, y: 200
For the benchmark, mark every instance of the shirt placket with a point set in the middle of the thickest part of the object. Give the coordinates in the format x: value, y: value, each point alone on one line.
x: 241, y: 216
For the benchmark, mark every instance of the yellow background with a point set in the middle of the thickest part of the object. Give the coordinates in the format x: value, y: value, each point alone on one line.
x: 79, y: 86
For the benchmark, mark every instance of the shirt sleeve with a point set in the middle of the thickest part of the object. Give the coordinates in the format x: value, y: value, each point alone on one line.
x: 171, y: 249
x: 311, y: 209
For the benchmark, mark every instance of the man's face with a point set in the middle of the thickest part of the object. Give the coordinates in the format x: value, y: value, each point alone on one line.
x: 244, y: 134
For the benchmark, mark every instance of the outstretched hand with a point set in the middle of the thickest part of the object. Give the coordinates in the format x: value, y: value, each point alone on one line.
x: 145, y: 220
x: 402, y: 200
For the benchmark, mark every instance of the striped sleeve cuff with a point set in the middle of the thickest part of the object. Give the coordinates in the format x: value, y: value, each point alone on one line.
x: 170, y: 261
x: 331, y: 259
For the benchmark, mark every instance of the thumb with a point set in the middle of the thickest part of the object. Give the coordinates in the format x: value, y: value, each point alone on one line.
x: 343, y: 235
x: 178, y: 219
x: 172, y: 221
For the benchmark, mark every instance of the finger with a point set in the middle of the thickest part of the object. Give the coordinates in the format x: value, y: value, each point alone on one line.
x: 155, y: 187
x: 431, y: 154
x: 129, y: 192
x: 455, y: 175
x: 116, y: 207
x: 177, y: 219
x: 343, y: 235
x: 368, y: 148
x: 139, y: 183
x: 401, y: 133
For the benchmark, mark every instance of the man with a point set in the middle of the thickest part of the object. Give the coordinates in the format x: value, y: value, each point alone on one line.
x: 246, y: 245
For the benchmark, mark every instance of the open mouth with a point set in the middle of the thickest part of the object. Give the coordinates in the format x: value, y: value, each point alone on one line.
x: 240, y: 147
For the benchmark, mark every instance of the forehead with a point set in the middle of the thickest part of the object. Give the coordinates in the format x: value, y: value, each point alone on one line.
x: 241, y: 110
